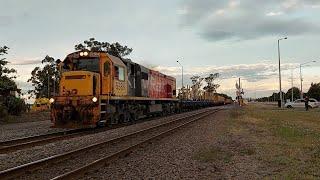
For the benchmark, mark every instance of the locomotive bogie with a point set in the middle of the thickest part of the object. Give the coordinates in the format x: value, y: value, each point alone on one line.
x: 75, y: 112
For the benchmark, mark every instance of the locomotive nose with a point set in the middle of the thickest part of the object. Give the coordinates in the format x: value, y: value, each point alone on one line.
x: 79, y: 83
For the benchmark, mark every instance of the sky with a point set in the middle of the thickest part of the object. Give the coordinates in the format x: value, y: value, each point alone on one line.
x: 236, y: 38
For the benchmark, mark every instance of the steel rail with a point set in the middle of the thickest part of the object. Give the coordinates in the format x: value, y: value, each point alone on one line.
x: 20, y: 143
x: 21, y: 169
x: 32, y: 143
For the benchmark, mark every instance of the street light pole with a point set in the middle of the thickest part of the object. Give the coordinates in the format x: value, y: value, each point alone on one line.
x: 301, y: 91
x: 48, y: 87
x: 181, y: 74
x: 280, y: 89
x: 291, y: 85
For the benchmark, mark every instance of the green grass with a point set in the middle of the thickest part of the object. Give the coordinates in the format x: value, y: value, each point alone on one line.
x: 286, y: 140
x: 289, y: 133
x: 236, y: 113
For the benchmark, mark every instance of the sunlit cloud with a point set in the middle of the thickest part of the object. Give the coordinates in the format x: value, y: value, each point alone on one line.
x: 26, y: 62
x: 253, y: 72
x: 274, y: 13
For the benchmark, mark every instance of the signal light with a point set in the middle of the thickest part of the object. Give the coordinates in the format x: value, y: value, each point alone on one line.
x: 94, y: 99
x: 51, y: 100
x: 85, y: 53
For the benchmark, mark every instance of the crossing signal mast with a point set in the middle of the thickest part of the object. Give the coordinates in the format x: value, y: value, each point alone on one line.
x: 239, y: 93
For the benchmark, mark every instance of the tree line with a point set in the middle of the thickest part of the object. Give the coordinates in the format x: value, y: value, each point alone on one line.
x: 198, y: 91
x: 313, y: 92
x: 9, y: 103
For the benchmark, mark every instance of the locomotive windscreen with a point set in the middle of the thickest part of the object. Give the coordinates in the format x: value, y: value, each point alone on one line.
x: 86, y: 64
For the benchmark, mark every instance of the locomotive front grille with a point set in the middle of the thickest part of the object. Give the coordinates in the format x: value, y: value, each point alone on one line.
x: 74, y: 112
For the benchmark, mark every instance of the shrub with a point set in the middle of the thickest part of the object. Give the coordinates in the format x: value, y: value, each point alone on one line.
x: 15, y: 105
x: 3, y: 111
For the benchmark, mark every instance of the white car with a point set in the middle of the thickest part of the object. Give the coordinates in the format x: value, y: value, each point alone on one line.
x: 300, y: 103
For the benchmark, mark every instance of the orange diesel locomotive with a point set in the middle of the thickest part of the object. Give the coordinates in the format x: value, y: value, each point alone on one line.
x: 97, y: 88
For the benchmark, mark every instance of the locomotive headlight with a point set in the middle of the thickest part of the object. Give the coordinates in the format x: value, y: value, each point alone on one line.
x: 81, y: 53
x: 51, y: 100
x: 94, y: 99
x: 85, y: 53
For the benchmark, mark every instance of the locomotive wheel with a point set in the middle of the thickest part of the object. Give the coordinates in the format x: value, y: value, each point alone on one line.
x: 125, y: 118
x: 134, y: 117
x: 115, y: 119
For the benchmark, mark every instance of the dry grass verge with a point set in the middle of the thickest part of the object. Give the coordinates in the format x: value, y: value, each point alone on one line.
x: 287, y: 141
x: 27, y: 117
x: 263, y: 142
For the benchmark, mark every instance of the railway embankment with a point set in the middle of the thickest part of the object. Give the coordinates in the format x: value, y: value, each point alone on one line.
x: 28, y: 124
x: 26, y: 117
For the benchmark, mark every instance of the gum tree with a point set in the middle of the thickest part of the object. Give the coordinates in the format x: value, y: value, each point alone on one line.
x: 115, y: 49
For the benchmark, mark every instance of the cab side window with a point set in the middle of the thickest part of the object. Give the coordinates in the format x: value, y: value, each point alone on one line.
x: 119, y: 73
x: 106, y: 68
x: 116, y: 72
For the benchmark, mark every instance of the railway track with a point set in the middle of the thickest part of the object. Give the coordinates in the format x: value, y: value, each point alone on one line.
x: 21, y: 143
x: 32, y: 141
x: 75, y: 163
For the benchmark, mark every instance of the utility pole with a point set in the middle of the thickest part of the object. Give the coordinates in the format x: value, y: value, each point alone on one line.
x: 301, y: 91
x: 181, y: 74
x: 279, y: 74
x: 280, y: 89
x: 48, y: 86
x: 239, y: 92
x: 54, y: 86
x: 291, y: 85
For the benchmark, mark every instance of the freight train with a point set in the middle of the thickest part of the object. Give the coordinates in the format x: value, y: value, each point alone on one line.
x: 98, y: 89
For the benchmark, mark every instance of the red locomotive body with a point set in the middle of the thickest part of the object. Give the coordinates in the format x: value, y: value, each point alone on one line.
x: 160, y: 85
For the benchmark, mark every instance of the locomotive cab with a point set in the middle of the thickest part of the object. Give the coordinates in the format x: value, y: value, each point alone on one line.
x: 85, y: 76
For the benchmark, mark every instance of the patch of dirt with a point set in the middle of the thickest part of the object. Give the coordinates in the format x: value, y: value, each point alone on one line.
x: 27, y: 117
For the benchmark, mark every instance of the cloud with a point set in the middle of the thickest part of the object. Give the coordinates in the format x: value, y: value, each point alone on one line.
x: 274, y: 13
x: 24, y: 85
x: 218, y: 20
x: 5, y: 20
x: 250, y: 72
x: 26, y: 62
x: 258, y: 79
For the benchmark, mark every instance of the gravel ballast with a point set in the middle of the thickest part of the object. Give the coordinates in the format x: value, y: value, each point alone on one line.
x: 175, y: 156
x: 26, y: 129
x: 39, y: 152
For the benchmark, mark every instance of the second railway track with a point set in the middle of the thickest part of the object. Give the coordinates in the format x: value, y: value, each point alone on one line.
x: 32, y: 141
x: 21, y: 143
x: 74, y: 163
